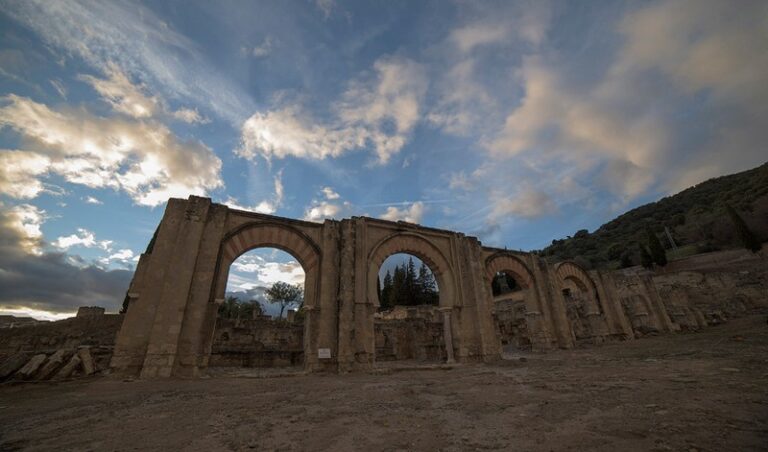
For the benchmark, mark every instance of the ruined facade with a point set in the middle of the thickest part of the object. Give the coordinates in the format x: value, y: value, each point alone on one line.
x: 180, y: 281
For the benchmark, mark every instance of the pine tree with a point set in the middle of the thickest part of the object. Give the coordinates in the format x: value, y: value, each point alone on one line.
x: 385, y: 298
x: 398, y: 284
x: 746, y: 236
x: 657, y: 251
x: 645, y: 257
x: 410, y: 284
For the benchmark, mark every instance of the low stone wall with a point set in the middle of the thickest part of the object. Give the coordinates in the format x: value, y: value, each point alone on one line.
x: 695, y: 292
x: 77, y: 346
x: 512, y: 325
x: 257, y: 343
x: 418, y: 339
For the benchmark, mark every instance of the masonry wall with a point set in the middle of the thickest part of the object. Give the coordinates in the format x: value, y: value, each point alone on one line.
x: 257, y: 343
x: 170, y: 324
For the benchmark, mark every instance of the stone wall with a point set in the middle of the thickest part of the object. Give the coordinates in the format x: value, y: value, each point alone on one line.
x: 257, y: 343
x: 77, y: 346
x: 417, y: 339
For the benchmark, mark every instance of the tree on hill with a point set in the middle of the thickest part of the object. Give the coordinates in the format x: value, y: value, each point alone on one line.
x: 657, y: 251
x: 746, y: 236
x: 645, y: 257
x: 284, y: 295
x: 408, y: 287
x: 233, y: 308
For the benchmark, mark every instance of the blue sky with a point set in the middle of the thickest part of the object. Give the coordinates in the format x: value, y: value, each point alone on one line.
x: 516, y: 121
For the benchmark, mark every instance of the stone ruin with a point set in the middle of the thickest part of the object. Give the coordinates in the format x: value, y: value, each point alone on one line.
x: 171, y: 326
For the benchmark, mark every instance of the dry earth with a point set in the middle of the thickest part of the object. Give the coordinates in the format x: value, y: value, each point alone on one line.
x: 705, y: 391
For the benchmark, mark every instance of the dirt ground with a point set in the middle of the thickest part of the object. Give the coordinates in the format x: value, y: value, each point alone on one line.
x: 705, y: 391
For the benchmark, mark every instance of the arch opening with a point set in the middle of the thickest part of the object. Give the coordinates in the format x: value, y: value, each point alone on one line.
x: 510, y: 309
x: 260, y: 320
x: 408, y: 324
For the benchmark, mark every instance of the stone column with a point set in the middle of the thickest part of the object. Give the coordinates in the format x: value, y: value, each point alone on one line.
x: 447, y: 334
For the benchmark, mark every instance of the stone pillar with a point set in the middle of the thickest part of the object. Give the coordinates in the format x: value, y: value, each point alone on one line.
x: 448, y: 334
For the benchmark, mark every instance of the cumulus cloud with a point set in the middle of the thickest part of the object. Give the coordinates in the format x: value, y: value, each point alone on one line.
x: 43, y: 282
x: 84, y: 238
x: 123, y: 95
x: 410, y: 214
x: 92, y: 200
x: 144, y: 159
x: 21, y: 229
x: 329, y: 193
x: 320, y: 210
x: 626, y: 125
x: 20, y: 173
x: 380, y: 112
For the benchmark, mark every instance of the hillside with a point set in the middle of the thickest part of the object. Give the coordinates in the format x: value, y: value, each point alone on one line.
x: 695, y: 218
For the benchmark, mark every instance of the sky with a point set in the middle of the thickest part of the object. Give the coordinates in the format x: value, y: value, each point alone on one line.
x: 517, y: 122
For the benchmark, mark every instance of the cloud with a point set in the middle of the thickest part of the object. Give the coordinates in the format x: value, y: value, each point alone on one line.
x: 326, y: 7
x: 681, y: 63
x: 411, y: 214
x: 21, y: 229
x: 463, y: 103
x: 329, y: 193
x: 267, y: 206
x: 380, y: 112
x: 92, y: 200
x: 264, y: 49
x: 529, y: 203
x: 471, y: 36
x: 122, y: 95
x: 48, y: 282
x: 133, y: 38
x: 84, y: 238
x: 20, y: 173
x: 321, y: 210
x: 144, y: 159
x: 124, y: 257
x: 190, y: 116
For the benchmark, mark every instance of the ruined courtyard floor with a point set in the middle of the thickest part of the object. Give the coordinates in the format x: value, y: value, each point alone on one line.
x: 704, y: 391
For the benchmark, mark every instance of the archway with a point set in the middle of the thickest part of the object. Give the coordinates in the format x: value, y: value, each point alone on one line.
x: 511, y: 285
x: 437, y: 328
x: 581, y: 299
x: 301, y: 248
x: 409, y: 325
x: 260, y: 323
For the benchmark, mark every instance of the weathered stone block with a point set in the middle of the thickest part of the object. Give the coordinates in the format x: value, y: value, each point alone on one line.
x: 12, y: 364
x: 32, y: 365
x: 53, y: 364
x: 84, y: 353
x: 69, y: 368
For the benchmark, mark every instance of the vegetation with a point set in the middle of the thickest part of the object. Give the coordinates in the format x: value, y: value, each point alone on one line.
x: 746, y: 236
x: 658, y: 254
x: 503, y: 283
x: 233, y: 308
x: 408, y: 287
x: 284, y: 295
x: 697, y: 218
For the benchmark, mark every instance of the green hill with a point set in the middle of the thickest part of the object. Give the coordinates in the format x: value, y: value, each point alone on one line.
x: 695, y: 218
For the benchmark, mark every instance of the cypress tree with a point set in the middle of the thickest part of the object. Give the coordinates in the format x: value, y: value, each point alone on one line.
x: 645, y: 258
x: 385, y: 299
x: 657, y: 251
x: 746, y: 236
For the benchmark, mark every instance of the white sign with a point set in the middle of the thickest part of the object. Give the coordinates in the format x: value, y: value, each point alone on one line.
x: 324, y: 353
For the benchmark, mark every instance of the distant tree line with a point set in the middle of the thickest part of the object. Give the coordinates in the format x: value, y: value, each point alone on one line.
x: 408, y: 287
